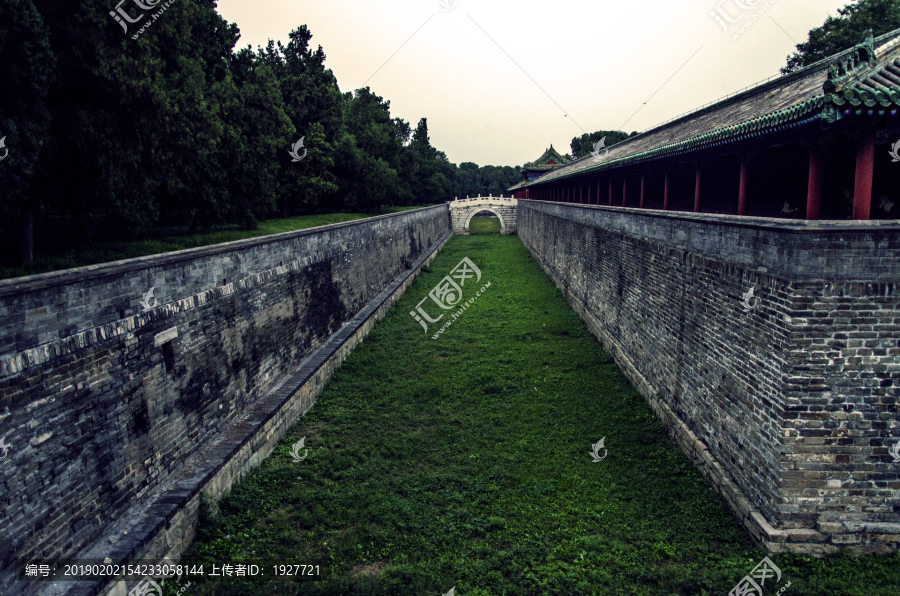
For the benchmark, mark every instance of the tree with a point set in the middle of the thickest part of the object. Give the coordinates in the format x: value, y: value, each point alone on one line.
x: 265, y: 131
x: 311, y: 178
x: 845, y: 31
x: 583, y: 145
x: 312, y: 102
x: 27, y: 68
x: 473, y: 181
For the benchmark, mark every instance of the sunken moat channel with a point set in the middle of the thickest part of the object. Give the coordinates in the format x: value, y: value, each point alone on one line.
x: 463, y: 460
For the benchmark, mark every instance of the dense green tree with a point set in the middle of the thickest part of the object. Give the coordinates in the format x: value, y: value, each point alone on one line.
x: 27, y: 68
x: 583, y: 145
x: 365, y: 182
x: 312, y: 100
x: 435, y: 175
x: 476, y: 181
x: 845, y: 31
x: 311, y: 179
x: 129, y: 118
x: 265, y: 133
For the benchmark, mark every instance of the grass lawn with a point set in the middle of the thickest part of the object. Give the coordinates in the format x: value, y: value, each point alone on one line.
x: 57, y: 247
x: 463, y: 462
x: 484, y: 225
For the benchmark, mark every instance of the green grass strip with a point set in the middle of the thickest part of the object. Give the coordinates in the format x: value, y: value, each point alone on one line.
x: 463, y: 462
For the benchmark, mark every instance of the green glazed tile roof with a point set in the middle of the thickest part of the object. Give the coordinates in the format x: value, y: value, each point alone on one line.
x: 862, y: 80
x: 549, y: 160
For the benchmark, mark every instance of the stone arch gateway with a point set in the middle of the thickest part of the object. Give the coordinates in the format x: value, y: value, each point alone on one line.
x: 463, y: 210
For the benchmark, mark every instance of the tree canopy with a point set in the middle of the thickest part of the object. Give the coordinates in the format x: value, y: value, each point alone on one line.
x: 140, y: 116
x: 583, y: 145
x: 845, y: 31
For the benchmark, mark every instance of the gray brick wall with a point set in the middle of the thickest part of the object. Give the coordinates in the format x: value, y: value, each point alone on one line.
x: 100, y: 410
x: 788, y: 408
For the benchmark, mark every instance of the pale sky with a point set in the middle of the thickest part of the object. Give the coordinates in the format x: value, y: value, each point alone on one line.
x: 594, y: 63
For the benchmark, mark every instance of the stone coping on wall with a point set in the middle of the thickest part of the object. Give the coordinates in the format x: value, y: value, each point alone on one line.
x: 39, y: 281
x: 162, y: 525
x: 794, y: 249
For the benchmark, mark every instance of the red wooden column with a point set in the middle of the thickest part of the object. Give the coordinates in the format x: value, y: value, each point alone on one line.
x: 666, y: 190
x: 598, y: 192
x: 610, y: 192
x: 742, y: 187
x: 625, y: 190
x: 581, y: 193
x: 697, y: 186
x: 642, y: 190
x: 865, y: 161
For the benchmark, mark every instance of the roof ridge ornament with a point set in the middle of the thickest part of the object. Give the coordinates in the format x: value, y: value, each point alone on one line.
x: 861, y: 56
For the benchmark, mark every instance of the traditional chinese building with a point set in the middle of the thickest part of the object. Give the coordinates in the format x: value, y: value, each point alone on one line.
x: 548, y: 161
x: 813, y: 144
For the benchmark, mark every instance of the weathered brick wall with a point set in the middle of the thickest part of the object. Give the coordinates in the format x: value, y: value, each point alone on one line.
x: 789, y: 407
x: 100, y: 402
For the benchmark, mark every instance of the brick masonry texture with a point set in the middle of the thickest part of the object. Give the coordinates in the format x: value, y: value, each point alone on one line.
x: 103, y: 406
x: 788, y: 409
x: 462, y: 211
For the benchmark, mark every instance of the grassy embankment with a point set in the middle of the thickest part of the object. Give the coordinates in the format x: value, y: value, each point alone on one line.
x: 463, y: 462
x: 58, y: 247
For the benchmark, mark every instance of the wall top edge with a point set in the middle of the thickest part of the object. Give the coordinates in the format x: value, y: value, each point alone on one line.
x: 772, y: 224
x: 38, y: 281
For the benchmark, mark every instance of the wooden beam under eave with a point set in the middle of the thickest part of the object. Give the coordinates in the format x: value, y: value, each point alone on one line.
x: 865, y: 162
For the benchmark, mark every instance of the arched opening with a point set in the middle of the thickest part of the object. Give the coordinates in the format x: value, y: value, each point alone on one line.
x: 485, y: 222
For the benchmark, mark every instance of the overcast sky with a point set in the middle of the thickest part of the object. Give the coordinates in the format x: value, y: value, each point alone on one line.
x: 499, y: 81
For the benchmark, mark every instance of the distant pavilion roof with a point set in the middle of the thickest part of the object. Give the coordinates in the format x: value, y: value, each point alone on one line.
x: 549, y: 160
x: 861, y: 81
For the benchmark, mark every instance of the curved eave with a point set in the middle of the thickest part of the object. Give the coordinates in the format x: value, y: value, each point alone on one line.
x: 828, y: 107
